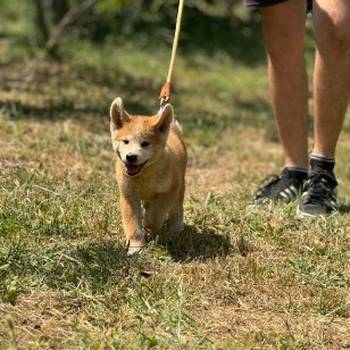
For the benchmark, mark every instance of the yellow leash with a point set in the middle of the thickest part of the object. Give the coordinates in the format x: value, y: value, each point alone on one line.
x: 166, y: 89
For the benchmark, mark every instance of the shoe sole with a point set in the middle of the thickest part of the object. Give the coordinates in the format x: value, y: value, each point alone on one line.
x: 303, y: 215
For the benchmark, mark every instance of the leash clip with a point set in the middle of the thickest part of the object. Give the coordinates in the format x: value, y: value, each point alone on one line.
x: 164, y: 95
x: 163, y: 102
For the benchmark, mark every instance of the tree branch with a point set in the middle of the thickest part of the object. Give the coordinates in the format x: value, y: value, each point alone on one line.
x: 70, y: 17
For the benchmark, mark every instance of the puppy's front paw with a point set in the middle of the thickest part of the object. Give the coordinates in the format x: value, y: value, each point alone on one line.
x: 134, y: 250
x: 135, y: 247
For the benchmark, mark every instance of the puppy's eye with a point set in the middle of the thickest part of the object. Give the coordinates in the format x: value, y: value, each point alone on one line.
x: 145, y: 144
x: 126, y: 141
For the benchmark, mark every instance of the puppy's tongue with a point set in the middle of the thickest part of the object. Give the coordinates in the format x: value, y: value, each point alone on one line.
x: 132, y: 169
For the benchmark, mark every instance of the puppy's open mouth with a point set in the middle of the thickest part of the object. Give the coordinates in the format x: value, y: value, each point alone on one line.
x: 133, y: 169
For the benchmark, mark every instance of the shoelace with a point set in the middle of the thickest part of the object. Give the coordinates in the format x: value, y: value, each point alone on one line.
x: 320, y: 186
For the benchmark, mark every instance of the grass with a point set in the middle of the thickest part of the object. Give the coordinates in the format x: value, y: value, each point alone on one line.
x: 237, y: 278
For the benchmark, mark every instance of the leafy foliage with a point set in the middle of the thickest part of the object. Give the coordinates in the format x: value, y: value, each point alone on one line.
x: 54, y: 22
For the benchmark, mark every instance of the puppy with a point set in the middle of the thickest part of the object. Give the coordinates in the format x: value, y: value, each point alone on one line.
x: 150, y: 169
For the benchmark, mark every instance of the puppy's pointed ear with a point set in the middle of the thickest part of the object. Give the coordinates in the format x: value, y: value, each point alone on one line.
x: 165, y: 117
x: 118, y: 115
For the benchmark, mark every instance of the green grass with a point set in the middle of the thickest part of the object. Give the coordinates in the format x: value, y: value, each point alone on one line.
x: 237, y: 278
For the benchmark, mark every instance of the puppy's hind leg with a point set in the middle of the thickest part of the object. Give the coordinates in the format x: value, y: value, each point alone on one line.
x: 176, y: 215
x: 156, y: 214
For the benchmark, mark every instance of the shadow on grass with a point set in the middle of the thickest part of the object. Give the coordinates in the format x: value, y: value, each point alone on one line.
x: 101, y: 264
x: 252, y: 113
x: 56, y: 105
x: 196, y: 244
x: 96, y: 263
x: 60, y: 110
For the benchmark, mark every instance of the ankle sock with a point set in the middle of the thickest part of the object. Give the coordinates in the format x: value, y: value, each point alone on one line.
x: 297, y: 172
x: 321, y: 162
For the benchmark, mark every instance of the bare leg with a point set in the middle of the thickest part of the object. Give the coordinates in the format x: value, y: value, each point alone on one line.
x: 284, y: 30
x: 332, y: 72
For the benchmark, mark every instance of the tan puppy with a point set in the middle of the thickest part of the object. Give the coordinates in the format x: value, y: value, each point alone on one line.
x: 150, y: 168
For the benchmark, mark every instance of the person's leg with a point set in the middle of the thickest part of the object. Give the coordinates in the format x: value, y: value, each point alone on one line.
x: 284, y: 30
x: 332, y: 72
x: 331, y: 95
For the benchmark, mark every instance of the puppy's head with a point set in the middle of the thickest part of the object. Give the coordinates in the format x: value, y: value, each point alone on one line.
x: 138, y: 140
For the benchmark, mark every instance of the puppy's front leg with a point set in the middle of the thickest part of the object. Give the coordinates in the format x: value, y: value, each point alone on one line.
x: 132, y: 223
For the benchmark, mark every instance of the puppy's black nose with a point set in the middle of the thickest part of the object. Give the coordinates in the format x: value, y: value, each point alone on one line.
x: 131, y: 158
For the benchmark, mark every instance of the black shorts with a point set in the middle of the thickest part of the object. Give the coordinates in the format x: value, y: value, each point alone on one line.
x: 257, y: 4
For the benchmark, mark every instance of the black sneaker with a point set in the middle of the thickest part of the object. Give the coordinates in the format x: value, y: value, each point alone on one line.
x: 320, y: 194
x: 285, y: 187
